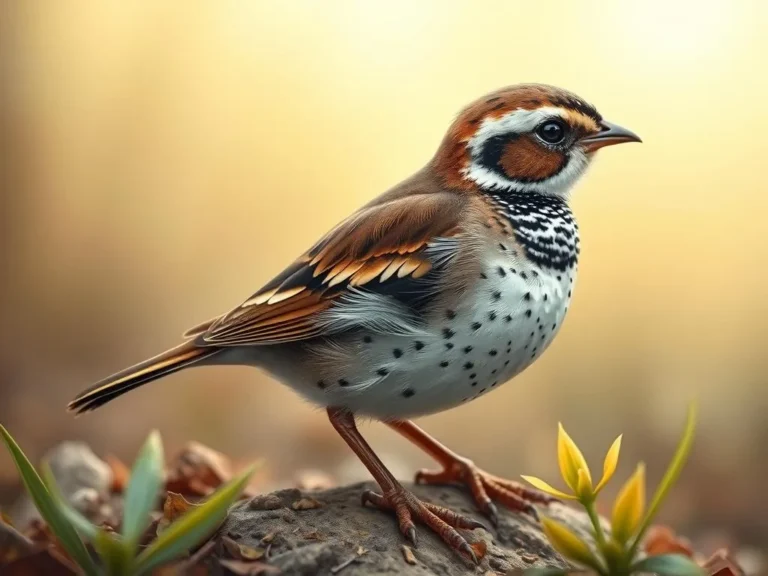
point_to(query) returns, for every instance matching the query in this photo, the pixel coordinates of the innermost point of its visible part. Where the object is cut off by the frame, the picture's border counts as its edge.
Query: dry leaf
(663, 540)
(722, 564)
(121, 474)
(242, 568)
(313, 480)
(409, 556)
(306, 504)
(13, 544)
(198, 470)
(268, 538)
(240, 551)
(479, 548)
(175, 505)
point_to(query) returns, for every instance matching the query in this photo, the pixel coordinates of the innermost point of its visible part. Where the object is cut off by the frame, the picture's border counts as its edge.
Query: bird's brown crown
(525, 136)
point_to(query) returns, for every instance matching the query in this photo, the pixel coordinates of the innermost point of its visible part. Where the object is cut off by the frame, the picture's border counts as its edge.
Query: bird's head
(526, 138)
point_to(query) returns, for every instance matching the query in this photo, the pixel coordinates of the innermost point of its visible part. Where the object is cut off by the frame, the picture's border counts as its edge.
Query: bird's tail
(161, 365)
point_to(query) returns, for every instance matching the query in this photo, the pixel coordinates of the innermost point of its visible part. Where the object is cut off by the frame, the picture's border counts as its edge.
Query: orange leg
(394, 497)
(485, 487)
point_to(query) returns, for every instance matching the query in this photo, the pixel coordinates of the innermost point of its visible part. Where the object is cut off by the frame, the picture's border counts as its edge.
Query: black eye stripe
(493, 149)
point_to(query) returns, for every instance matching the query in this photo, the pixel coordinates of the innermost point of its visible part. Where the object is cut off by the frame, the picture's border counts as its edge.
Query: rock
(83, 478)
(75, 467)
(344, 537)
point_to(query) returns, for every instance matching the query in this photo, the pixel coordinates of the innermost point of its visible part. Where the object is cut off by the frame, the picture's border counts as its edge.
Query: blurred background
(159, 161)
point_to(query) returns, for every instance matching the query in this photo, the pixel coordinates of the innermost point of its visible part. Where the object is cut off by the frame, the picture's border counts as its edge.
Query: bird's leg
(485, 487)
(394, 497)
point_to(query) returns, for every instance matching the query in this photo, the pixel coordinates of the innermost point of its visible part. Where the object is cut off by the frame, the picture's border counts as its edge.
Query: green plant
(616, 553)
(120, 554)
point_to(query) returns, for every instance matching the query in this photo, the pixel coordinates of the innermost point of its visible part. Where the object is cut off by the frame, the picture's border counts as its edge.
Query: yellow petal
(629, 506)
(539, 484)
(571, 459)
(568, 544)
(584, 487)
(609, 464)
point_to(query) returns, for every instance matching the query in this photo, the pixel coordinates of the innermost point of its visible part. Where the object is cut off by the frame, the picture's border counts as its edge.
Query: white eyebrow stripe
(518, 122)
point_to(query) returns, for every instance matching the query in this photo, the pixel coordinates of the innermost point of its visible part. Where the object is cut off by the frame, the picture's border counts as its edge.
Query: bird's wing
(394, 248)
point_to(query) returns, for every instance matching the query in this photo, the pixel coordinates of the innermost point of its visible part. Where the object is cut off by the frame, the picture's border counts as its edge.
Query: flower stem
(592, 513)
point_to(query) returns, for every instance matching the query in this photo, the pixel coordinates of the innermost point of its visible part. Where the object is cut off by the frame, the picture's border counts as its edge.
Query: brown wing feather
(383, 241)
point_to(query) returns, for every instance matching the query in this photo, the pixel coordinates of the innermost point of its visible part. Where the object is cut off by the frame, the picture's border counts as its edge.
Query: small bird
(433, 294)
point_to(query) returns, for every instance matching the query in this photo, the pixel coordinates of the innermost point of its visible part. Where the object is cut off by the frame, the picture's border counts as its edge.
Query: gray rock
(75, 466)
(83, 478)
(319, 540)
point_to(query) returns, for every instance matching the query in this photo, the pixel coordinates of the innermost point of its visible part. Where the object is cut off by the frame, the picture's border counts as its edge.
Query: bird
(433, 294)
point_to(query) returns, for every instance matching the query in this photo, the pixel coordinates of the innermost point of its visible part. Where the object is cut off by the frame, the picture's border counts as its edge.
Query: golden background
(160, 161)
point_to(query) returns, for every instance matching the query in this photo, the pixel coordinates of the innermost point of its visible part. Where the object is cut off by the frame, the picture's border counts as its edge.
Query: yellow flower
(575, 471)
(569, 544)
(629, 507)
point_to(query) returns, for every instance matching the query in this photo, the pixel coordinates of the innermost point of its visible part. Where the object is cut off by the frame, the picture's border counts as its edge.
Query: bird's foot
(442, 521)
(487, 488)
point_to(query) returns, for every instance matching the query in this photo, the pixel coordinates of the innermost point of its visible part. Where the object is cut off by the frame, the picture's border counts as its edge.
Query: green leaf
(670, 477)
(143, 489)
(47, 507)
(668, 565)
(116, 555)
(193, 527)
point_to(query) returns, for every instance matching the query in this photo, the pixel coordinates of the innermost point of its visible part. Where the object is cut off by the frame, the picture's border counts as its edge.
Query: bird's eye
(551, 131)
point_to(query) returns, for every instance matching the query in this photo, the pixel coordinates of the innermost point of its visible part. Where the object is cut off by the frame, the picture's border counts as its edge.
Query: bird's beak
(608, 135)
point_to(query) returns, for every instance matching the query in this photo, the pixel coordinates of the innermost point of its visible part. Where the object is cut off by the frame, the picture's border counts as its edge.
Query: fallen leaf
(361, 551)
(241, 551)
(198, 470)
(663, 540)
(479, 548)
(268, 538)
(722, 564)
(121, 474)
(409, 556)
(313, 480)
(175, 505)
(43, 561)
(241, 568)
(306, 504)
(13, 544)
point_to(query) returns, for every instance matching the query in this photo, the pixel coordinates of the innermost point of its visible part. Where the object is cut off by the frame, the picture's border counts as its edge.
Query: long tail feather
(118, 384)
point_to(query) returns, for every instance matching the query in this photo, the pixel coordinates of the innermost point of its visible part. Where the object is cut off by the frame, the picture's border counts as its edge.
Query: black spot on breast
(449, 345)
(508, 318)
(467, 349)
(468, 366)
(496, 295)
(502, 272)
(444, 363)
(382, 371)
(397, 352)
(528, 313)
(343, 382)
(472, 376)
(321, 384)
(450, 314)
(493, 352)
(448, 333)
(476, 325)
(527, 296)
(408, 392)
(492, 315)
(367, 339)
(418, 344)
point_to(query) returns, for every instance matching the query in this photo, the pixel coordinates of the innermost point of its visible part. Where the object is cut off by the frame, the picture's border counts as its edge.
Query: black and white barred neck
(543, 225)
